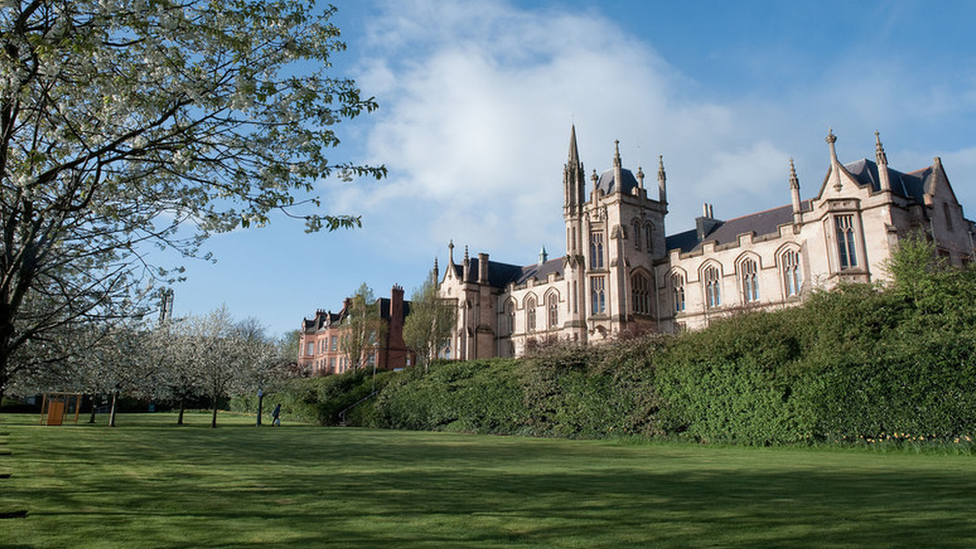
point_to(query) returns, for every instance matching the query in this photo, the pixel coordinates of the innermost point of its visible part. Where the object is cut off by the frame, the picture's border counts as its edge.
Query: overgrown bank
(859, 362)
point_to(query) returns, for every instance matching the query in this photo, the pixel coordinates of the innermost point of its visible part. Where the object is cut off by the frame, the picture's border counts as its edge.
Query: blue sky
(477, 99)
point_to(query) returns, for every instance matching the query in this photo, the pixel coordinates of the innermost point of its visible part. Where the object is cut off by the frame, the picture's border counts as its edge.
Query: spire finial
(794, 180)
(616, 152)
(661, 180)
(450, 253)
(879, 153)
(466, 252)
(831, 139)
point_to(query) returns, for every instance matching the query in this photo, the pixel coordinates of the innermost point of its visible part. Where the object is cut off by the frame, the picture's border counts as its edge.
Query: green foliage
(314, 400)
(431, 321)
(477, 396)
(734, 382)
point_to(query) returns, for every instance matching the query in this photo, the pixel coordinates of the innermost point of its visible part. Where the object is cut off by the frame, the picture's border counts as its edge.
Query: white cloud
(474, 125)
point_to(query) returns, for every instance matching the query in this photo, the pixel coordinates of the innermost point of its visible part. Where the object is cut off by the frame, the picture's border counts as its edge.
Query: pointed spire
(879, 154)
(436, 273)
(574, 178)
(450, 253)
(618, 177)
(543, 255)
(573, 149)
(795, 193)
(661, 180)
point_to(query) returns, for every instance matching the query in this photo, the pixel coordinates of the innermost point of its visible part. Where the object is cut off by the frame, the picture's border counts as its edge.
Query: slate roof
(906, 185)
(724, 232)
(864, 171)
(319, 320)
(607, 183)
(501, 274)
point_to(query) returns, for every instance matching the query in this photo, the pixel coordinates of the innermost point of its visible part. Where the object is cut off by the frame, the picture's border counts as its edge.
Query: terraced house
(623, 273)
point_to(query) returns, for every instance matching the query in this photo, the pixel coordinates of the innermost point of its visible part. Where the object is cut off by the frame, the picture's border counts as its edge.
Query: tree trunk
(111, 417)
(179, 420)
(94, 409)
(260, 404)
(213, 422)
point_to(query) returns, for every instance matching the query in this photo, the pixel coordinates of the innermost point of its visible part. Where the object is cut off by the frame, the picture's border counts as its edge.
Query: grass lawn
(150, 484)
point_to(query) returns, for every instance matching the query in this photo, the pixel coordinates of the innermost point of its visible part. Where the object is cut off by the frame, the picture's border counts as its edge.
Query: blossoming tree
(128, 124)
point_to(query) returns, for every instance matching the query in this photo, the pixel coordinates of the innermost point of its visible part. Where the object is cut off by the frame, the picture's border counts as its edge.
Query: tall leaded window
(678, 292)
(750, 280)
(553, 308)
(596, 250)
(510, 317)
(641, 290)
(530, 314)
(649, 237)
(791, 273)
(845, 241)
(713, 290)
(948, 215)
(598, 294)
(637, 235)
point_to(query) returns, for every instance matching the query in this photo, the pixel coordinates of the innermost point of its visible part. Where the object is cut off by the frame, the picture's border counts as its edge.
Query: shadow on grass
(314, 487)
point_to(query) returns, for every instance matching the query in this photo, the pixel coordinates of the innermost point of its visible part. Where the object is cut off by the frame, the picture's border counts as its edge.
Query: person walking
(276, 416)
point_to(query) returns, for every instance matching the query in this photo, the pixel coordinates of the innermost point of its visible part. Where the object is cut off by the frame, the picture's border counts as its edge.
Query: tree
(129, 124)
(171, 348)
(364, 328)
(430, 324)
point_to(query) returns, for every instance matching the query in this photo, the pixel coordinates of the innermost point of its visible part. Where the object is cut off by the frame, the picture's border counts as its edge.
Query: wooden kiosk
(56, 407)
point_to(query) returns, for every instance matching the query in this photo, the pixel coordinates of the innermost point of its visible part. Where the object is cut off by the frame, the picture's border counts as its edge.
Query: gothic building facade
(622, 273)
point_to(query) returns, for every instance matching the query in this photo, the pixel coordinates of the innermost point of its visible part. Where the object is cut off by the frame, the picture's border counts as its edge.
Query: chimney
(482, 268)
(396, 349)
(706, 223)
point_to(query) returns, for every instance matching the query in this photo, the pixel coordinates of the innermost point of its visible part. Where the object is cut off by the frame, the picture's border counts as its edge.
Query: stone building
(622, 273)
(321, 336)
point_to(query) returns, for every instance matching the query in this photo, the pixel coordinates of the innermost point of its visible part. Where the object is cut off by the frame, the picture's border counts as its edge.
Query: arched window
(510, 317)
(713, 290)
(649, 237)
(845, 241)
(637, 235)
(678, 292)
(598, 295)
(792, 277)
(641, 290)
(750, 280)
(530, 314)
(596, 250)
(553, 308)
